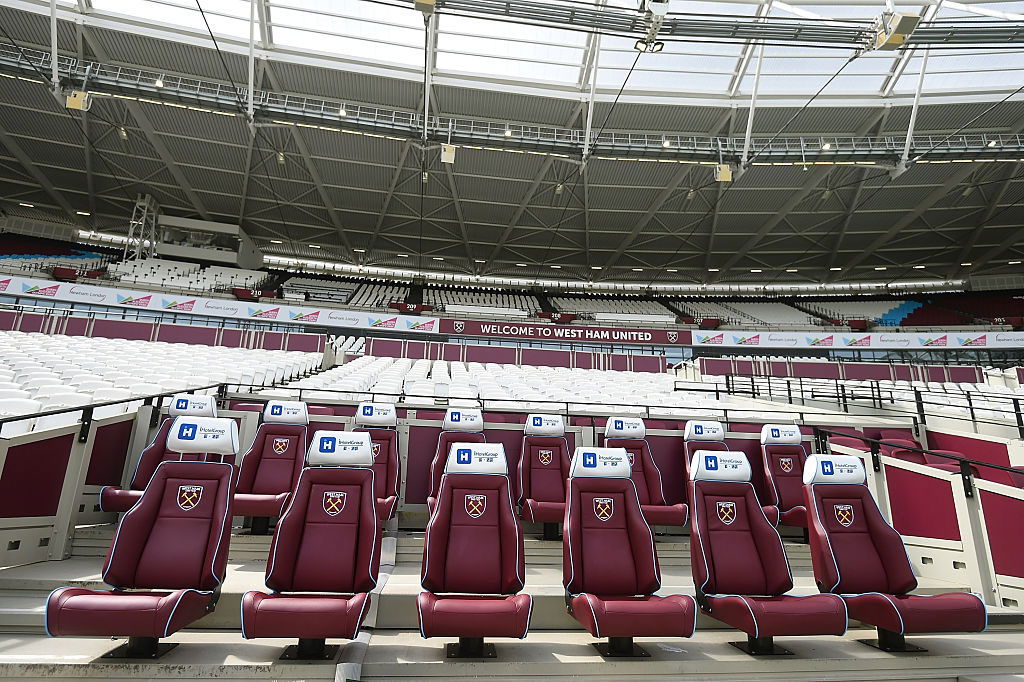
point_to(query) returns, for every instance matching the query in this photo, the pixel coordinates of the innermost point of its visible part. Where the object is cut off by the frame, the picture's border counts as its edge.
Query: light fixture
(712, 269)
(83, 213)
(122, 133)
(967, 191)
(991, 143)
(965, 265)
(276, 241)
(26, 204)
(437, 258)
(342, 111)
(558, 188)
(556, 267)
(691, 194)
(479, 261)
(825, 147)
(520, 265)
(835, 269)
(671, 270)
(359, 250)
(402, 255)
(159, 82)
(756, 270)
(919, 267)
(280, 158)
(1014, 262)
(792, 270)
(638, 269)
(595, 267)
(508, 132)
(425, 177)
(881, 267)
(314, 246)
(645, 46)
(665, 142)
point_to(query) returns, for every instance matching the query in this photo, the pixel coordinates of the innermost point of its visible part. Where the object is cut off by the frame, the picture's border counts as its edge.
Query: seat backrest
(783, 456)
(474, 543)
(629, 433)
(734, 549)
(380, 421)
(273, 462)
(607, 546)
(180, 405)
(701, 435)
(328, 539)
(461, 425)
(853, 548)
(177, 535)
(889, 445)
(850, 442)
(915, 457)
(544, 459)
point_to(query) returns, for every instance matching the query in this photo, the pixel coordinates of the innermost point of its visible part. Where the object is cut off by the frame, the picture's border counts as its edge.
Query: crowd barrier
(807, 369)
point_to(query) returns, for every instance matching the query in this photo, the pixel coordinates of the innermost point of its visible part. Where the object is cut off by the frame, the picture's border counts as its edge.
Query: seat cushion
(474, 616)
(665, 515)
(386, 507)
(910, 613)
(652, 616)
(247, 504)
(117, 499)
(797, 516)
(816, 614)
(74, 611)
(543, 512)
(306, 616)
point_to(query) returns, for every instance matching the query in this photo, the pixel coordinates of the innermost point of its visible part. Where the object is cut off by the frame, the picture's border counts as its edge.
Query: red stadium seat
(380, 420)
(473, 563)
(849, 442)
(858, 555)
(700, 435)
(114, 499)
(172, 546)
(629, 433)
(461, 425)
(543, 470)
(271, 467)
(609, 561)
(783, 456)
(325, 556)
(739, 563)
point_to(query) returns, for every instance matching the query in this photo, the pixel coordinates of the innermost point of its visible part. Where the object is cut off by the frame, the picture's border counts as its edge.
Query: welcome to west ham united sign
(559, 332)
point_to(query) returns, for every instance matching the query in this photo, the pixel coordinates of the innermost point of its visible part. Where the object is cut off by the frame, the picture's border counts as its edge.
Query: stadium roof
(338, 157)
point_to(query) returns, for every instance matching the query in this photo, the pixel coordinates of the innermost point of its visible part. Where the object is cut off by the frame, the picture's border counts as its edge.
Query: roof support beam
(37, 175)
(666, 193)
(527, 198)
(458, 211)
(972, 239)
(748, 52)
(392, 186)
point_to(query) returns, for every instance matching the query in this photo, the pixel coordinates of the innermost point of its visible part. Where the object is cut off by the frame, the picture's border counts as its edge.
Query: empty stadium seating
(701, 435)
(783, 456)
(481, 302)
(325, 556)
(739, 563)
(543, 471)
(609, 559)
(460, 426)
(300, 289)
(473, 557)
(377, 295)
(612, 309)
(858, 555)
(155, 272)
(33, 254)
(629, 433)
(380, 421)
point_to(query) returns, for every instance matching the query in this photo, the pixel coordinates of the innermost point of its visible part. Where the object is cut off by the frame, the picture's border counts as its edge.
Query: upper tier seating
(300, 289)
(377, 295)
(543, 470)
(774, 314)
(609, 560)
(629, 433)
(628, 309)
(481, 302)
(380, 420)
(783, 457)
(473, 555)
(705, 308)
(858, 555)
(172, 545)
(325, 555)
(888, 313)
(155, 272)
(18, 252)
(460, 426)
(739, 563)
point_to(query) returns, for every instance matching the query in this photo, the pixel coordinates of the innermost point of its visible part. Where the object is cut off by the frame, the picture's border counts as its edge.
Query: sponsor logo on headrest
(334, 502)
(187, 432)
(456, 416)
(281, 445)
(618, 425)
(726, 512)
(776, 433)
(189, 496)
(367, 410)
(590, 460)
(276, 410)
(538, 421)
(181, 404)
(545, 457)
(711, 462)
(826, 468)
(328, 443)
(604, 508)
(464, 456)
(698, 429)
(476, 505)
(844, 514)
(786, 464)
(192, 431)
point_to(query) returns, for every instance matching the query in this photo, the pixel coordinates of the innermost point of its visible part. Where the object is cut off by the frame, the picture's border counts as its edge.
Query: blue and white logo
(826, 468)
(276, 410)
(775, 433)
(328, 443)
(181, 404)
(698, 429)
(590, 460)
(537, 421)
(618, 424)
(367, 410)
(457, 417)
(187, 432)
(464, 456)
(711, 462)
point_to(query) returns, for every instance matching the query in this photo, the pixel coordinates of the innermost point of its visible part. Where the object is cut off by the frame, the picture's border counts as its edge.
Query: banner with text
(861, 341)
(561, 332)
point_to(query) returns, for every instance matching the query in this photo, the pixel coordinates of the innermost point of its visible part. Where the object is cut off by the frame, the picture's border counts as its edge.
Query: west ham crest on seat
(631, 458)
(334, 502)
(376, 450)
(545, 457)
(189, 496)
(280, 446)
(844, 514)
(726, 512)
(786, 464)
(604, 508)
(476, 505)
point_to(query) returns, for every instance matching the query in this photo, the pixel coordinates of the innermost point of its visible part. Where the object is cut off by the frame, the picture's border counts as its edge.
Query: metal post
(431, 40)
(590, 100)
(753, 102)
(920, 405)
(913, 112)
(1019, 416)
(55, 76)
(252, 62)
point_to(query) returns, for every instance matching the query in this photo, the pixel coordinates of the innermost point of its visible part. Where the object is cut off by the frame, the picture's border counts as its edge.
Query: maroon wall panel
(743, 367)
(30, 322)
(921, 505)
(123, 329)
(715, 366)
(973, 448)
(33, 477)
(1002, 521)
(648, 363)
(545, 358)
(902, 373)
(778, 368)
(7, 319)
(967, 373)
(109, 453)
(181, 333)
(866, 370)
(76, 326)
(388, 348)
(232, 338)
(816, 370)
(451, 352)
(273, 340)
(417, 350)
(933, 373)
(309, 343)
(617, 362)
(498, 354)
(583, 360)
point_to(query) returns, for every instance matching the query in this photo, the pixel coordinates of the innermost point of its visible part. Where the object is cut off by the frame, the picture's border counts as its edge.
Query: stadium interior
(450, 339)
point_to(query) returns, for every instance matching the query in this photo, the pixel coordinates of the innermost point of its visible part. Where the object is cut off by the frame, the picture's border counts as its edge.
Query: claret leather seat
(858, 555)
(739, 563)
(269, 470)
(168, 557)
(700, 435)
(543, 471)
(630, 433)
(325, 556)
(461, 425)
(609, 561)
(380, 420)
(473, 559)
(114, 499)
(783, 457)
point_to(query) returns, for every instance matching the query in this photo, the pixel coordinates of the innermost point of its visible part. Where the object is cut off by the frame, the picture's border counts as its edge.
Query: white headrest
(476, 458)
(218, 436)
(376, 414)
(701, 430)
(780, 434)
(834, 469)
(544, 425)
(463, 419)
(340, 448)
(715, 465)
(285, 412)
(600, 463)
(625, 427)
(193, 405)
